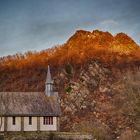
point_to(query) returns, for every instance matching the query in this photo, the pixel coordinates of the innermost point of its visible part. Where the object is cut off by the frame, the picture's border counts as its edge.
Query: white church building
(30, 111)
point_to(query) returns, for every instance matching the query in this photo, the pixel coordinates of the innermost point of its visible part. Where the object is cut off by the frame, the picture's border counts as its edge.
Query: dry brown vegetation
(22, 72)
(81, 47)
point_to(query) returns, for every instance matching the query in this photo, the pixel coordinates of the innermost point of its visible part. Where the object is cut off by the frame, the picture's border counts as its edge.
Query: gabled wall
(48, 127)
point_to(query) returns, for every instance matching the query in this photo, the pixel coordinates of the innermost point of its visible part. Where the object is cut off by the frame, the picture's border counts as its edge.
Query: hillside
(98, 78)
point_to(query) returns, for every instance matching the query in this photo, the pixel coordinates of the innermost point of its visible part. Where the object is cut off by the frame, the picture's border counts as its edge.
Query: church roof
(28, 104)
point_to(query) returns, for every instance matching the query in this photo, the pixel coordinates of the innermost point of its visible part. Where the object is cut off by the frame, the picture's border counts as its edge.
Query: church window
(48, 120)
(30, 120)
(14, 120)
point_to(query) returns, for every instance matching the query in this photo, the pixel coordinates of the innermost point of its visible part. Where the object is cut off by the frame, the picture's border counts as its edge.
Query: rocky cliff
(101, 101)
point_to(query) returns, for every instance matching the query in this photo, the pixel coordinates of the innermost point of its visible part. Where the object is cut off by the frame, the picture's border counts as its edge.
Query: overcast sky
(40, 24)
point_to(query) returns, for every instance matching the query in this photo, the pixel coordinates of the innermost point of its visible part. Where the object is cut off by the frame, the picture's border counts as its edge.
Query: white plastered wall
(1, 123)
(11, 127)
(48, 127)
(28, 127)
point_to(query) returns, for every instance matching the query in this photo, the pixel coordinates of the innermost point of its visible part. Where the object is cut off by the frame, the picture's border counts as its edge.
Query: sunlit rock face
(97, 39)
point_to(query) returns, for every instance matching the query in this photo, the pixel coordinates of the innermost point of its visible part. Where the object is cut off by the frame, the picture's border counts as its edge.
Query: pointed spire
(49, 78)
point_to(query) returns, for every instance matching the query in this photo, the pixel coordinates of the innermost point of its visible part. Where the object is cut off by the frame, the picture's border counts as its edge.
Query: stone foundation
(44, 136)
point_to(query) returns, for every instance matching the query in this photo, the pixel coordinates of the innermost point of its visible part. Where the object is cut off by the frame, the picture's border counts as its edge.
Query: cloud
(138, 36)
(108, 25)
(109, 22)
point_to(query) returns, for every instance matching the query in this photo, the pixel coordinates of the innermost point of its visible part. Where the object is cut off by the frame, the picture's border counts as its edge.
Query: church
(30, 111)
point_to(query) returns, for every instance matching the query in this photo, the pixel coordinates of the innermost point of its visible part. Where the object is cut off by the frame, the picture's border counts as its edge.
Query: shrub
(68, 89)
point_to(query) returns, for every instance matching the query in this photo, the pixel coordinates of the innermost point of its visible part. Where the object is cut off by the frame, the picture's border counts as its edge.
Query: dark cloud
(36, 25)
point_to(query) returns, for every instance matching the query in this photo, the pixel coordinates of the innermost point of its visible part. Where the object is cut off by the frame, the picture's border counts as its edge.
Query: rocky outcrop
(101, 101)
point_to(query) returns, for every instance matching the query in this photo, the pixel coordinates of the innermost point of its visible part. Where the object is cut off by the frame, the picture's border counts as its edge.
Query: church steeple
(49, 83)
